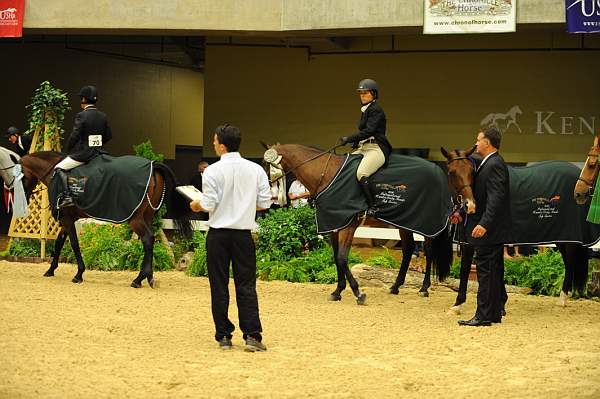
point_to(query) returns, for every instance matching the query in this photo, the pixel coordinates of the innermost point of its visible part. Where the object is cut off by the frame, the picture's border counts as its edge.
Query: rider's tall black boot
(66, 198)
(366, 189)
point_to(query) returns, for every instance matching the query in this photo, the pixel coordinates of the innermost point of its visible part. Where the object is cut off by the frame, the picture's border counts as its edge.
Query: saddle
(106, 188)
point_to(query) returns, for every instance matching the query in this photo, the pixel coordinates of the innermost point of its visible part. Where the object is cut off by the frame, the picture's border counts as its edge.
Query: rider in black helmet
(21, 143)
(90, 133)
(370, 140)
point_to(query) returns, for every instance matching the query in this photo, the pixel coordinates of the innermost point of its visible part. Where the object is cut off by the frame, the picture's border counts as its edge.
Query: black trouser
(225, 246)
(491, 294)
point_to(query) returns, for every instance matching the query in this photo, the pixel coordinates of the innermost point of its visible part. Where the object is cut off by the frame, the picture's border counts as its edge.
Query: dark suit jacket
(492, 198)
(88, 122)
(373, 123)
(26, 142)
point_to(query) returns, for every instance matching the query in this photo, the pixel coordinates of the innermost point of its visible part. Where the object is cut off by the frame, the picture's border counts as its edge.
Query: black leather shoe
(225, 343)
(475, 322)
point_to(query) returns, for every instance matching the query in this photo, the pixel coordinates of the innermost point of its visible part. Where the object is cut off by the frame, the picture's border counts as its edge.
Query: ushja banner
(469, 16)
(11, 18)
(583, 16)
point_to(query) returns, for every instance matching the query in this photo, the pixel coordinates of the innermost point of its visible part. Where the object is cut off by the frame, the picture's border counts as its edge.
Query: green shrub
(383, 260)
(287, 233)
(199, 266)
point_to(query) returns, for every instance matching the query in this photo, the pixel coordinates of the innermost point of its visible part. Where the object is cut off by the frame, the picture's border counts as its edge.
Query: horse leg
(345, 243)
(408, 246)
(567, 285)
(465, 268)
(75, 245)
(336, 295)
(58, 245)
(427, 278)
(144, 231)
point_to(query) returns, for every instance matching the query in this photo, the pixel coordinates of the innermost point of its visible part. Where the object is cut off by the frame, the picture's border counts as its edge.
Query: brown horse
(315, 169)
(460, 179)
(40, 166)
(584, 189)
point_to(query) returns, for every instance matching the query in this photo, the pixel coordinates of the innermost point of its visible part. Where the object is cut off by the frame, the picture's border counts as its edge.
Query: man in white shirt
(298, 194)
(233, 190)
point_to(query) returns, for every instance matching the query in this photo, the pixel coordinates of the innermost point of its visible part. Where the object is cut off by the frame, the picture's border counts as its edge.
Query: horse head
(8, 159)
(584, 189)
(461, 169)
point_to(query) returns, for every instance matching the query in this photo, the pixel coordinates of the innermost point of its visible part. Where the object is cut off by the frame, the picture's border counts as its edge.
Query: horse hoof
(394, 291)
(424, 294)
(454, 310)
(136, 285)
(49, 274)
(335, 297)
(361, 298)
(77, 280)
(154, 283)
(562, 299)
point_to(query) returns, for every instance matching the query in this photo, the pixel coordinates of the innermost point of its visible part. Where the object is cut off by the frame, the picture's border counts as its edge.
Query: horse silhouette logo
(508, 119)
(9, 13)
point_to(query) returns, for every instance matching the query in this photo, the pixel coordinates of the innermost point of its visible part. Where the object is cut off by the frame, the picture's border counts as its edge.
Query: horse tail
(176, 203)
(580, 272)
(441, 248)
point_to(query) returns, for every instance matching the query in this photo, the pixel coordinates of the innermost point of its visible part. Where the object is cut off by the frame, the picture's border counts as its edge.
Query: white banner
(469, 16)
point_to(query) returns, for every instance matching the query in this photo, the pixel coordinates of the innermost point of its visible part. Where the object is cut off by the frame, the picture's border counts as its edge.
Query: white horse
(509, 117)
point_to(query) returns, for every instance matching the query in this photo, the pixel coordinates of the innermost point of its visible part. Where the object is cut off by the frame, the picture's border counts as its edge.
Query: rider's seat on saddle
(106, 188)
(410, 193)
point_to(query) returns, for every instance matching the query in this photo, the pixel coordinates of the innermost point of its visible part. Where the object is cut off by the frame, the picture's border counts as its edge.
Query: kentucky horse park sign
(11, 18)
(546, 122)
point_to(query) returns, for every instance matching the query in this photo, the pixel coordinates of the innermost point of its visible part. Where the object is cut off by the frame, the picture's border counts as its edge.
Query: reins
(329, 151)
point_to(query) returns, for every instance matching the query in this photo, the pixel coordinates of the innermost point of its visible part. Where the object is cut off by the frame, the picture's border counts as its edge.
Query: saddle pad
(543, 209)
(106, 188)
(411, 193)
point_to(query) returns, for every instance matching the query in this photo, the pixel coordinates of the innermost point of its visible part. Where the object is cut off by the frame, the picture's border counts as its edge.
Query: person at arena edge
(21, 143)
(488, 229)
(298, 194)
(233, 190)
(370, 140)
(90, 133)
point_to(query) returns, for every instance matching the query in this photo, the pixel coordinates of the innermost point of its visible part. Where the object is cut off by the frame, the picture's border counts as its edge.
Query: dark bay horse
(39, 166)
(315, 169)
(461, 171)
(584, 189)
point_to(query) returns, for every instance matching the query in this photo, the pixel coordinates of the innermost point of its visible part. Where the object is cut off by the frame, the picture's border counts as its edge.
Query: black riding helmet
(89, 93)
(369, 84)
(12, 131)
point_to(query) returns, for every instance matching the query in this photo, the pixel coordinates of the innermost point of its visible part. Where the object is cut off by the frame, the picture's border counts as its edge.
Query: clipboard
(190, 192)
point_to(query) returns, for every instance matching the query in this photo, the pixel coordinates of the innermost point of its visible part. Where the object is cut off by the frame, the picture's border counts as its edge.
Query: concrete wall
(250, 15)
(143, 101)
(431, 99)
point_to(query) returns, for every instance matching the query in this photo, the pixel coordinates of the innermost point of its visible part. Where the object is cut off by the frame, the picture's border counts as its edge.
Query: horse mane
(48, 156)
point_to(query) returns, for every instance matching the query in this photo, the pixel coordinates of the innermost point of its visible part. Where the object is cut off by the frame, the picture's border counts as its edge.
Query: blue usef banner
(583, 16)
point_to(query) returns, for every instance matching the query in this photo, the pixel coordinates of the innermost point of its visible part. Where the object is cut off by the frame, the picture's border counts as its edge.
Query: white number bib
(95, 140)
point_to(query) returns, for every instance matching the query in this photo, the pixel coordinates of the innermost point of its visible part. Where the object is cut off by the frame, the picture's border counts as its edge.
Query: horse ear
(596, 140)
(265, 145)
(468, 153)
(444, 152)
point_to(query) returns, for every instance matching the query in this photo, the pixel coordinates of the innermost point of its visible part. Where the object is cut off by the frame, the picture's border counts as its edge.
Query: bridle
(274, 159)
(590, 184)
(458, 201)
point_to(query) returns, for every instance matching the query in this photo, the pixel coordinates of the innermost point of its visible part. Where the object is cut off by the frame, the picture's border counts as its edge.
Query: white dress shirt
(298, 188)
(232, 189)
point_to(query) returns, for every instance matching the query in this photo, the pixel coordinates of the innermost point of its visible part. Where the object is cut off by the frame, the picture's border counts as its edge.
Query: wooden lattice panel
(32, 226)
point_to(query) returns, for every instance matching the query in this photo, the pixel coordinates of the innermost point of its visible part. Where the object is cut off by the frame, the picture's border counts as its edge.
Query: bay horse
(584, 189)
(39, 166)
(315, 169)
(461, 169)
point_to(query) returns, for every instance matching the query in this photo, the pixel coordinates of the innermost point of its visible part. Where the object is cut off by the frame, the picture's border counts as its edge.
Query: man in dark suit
(90, 133)
(21, 143)
(489, 228)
